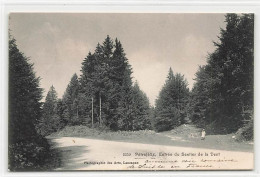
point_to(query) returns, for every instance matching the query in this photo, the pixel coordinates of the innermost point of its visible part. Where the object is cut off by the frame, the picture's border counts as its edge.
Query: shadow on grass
(64, 158)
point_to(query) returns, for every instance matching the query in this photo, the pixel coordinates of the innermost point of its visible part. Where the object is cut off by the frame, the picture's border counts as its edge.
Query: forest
(105, 97)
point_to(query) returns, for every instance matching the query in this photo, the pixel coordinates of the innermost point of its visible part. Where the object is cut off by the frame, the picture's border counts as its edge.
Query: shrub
(246, 133)
(28, 156)
(163, 124)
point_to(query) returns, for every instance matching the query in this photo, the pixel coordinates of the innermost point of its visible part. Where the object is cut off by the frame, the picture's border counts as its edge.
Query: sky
(57, 43)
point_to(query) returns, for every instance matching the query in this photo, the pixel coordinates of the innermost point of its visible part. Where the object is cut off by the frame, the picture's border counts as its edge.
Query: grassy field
(183, 136)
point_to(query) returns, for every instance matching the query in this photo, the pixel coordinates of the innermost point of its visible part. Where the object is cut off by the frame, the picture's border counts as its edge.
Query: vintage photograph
(131, 91)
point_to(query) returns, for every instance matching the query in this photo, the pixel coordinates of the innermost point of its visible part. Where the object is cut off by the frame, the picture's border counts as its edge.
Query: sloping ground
(89, 154)
(189, 135)
(184, 136)
(142, 136)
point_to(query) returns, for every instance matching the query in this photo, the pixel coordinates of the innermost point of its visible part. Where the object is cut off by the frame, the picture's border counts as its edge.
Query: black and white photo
(131, 91)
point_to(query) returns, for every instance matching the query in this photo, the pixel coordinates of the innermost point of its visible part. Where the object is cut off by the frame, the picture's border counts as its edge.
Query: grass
(141, 136)
(184, 136)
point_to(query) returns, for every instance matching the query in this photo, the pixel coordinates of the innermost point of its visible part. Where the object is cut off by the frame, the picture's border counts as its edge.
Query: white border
(127, 6)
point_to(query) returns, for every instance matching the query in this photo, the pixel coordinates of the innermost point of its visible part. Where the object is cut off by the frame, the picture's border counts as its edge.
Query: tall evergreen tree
(120, 93)
(87, 90)
(172, 101)
(104, 74)
(95, 83)
(140, 109)
(70, 99)
(102, 83)
(201, 96)
(50, 104)
(50, 121)
(106, 79)
(26, 148)
(227, 78)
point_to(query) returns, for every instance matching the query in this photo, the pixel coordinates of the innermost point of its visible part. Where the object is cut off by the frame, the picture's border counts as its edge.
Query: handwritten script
(169, 161)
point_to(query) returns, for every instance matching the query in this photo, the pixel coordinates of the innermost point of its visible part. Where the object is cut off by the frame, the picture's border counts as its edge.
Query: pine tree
(70, 99)
(87, 89)
(106, 79)
(140, 109)
(227, 79)
(120, 94)
(107, 48)
(26, 149)
(172, 101)
(50, 121)
(102, 83)
(50, 102)
(95, 84)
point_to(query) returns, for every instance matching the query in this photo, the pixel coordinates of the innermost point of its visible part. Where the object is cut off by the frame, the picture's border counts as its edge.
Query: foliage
(171, 106)
(137, 117)
(223, 91)
(106, 79)
(28, 155)
(102, 96)
(50, 121)
(246, 132)
(26, 149)
(71, 102)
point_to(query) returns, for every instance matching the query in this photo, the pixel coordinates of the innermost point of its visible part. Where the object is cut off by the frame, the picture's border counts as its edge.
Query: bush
(163, 124)
(215, 128)
(167, 119)
(28, 156)
(246, 133)
(218, 126)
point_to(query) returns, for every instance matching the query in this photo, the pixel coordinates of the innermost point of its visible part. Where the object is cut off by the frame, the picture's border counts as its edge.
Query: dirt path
(89, 154)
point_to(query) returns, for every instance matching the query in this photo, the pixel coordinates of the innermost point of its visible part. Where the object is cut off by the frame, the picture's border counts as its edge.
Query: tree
(120, 97)
(70, 100)
(200, 97)
(94, 84)
(50, 103)
(172, 102)
(140, 109)
(87, 90)
(106, 79)
(102, 83)
(50, 121)
(26, 148)
(223, 93)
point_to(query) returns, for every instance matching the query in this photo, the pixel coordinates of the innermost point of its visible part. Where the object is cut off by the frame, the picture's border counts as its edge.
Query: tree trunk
(92, 118)
(100, 110)
(77, 112)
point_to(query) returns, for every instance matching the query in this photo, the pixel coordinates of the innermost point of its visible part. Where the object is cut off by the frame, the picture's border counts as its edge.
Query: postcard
(131, 91)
